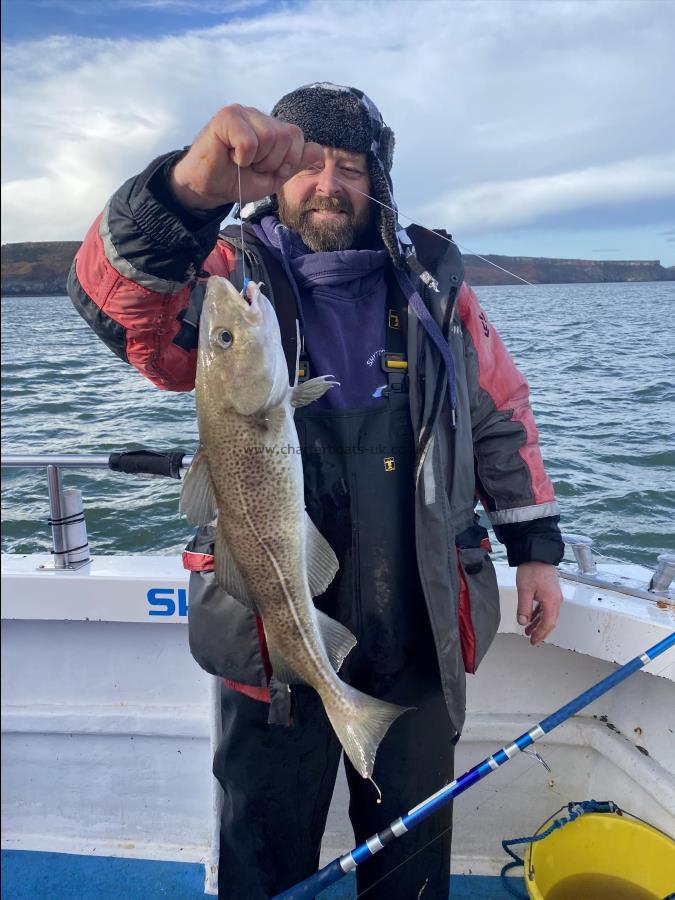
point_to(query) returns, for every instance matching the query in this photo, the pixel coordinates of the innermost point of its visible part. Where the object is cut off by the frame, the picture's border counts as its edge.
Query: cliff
(540, 270)
(41, 269)
(36, 269)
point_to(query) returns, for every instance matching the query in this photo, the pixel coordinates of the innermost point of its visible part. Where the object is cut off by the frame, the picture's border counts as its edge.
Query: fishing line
(244, 279)
(341, 866)
(379, 792)
(431, 231)
(403, 862)
(488, 793)
(441, 833)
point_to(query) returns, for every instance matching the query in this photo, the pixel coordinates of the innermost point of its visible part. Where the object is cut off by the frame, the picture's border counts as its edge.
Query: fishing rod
(342, 865)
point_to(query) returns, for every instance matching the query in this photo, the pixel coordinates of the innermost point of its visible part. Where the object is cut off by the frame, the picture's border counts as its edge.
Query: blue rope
(574, 810)
(431, 327)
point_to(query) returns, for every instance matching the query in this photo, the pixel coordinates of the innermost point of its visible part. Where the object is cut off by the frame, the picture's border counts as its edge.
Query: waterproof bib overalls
(278, 781)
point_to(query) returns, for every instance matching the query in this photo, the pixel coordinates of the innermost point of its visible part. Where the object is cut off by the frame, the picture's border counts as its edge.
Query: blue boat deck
(33, 875)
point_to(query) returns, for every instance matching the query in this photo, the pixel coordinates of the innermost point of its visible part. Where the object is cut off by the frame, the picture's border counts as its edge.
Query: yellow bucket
(601, 856)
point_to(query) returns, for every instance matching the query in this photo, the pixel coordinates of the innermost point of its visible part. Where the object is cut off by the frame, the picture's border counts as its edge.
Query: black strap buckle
(303, 370)
(396, 367)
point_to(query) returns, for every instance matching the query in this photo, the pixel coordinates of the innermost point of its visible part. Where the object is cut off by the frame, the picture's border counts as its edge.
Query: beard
(344, 232)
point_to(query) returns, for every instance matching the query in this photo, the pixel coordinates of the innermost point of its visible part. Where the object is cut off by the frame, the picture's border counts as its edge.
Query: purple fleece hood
(342, 299)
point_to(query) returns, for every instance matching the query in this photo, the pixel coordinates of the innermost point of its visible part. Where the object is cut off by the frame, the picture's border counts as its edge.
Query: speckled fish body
(248, 472)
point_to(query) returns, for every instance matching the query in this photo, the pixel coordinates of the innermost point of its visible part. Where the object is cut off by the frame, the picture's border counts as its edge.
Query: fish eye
(225, 338)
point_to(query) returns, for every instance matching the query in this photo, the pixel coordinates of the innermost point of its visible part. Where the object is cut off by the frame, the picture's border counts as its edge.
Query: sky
(523, 127)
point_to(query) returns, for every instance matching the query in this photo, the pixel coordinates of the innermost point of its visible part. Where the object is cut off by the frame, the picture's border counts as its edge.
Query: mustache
(334, 204)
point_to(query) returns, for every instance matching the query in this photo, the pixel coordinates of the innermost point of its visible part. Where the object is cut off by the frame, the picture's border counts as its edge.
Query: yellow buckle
(394, 362)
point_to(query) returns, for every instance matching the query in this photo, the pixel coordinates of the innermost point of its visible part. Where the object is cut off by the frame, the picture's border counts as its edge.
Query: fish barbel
(248, 471)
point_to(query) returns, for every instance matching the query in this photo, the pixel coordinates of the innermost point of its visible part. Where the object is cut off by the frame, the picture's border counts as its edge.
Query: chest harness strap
(394, 360)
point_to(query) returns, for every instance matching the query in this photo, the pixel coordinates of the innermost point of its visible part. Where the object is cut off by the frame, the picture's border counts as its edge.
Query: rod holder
(56, 517)
(77, 542)
(664, 574)
(582, 547)
(66, 518)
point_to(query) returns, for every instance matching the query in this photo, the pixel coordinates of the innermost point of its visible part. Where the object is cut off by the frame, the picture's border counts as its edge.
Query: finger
(546, 622)
(300, 157)
(292, 161)
(534, 619)
(254, 186)
(239, 136)
(278, 148)
(267, 131)
(312, 154)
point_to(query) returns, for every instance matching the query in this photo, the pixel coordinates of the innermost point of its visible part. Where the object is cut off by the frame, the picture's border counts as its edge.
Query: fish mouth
(250, 299)
(250, 293)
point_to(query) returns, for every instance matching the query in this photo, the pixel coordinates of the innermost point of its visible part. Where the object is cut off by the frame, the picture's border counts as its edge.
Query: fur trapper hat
(344, 117)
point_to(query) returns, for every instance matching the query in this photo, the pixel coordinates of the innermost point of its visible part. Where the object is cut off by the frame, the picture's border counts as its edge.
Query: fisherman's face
(326, 205)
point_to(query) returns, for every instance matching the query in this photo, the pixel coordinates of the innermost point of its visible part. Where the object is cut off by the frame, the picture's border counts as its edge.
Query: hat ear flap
(386, 148)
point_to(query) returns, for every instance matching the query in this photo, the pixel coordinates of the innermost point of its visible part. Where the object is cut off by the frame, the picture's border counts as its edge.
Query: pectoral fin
(228, 575)
(322, 563)
(197, 498)
(312, 390)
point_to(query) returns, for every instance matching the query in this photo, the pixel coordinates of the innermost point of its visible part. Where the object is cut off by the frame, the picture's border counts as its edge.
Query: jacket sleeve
(510, 478)
(132, 277)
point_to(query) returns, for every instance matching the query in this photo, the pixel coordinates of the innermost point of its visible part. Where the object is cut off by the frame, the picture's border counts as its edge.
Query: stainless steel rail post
(664, 574)
(583, 553)
(55, 463)
(56, 517)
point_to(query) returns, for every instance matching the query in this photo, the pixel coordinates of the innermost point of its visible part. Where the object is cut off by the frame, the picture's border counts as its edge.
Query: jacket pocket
(226, 638)
(479, 613)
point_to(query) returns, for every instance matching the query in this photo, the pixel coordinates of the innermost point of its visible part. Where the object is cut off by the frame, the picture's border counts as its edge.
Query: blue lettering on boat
(164, 599)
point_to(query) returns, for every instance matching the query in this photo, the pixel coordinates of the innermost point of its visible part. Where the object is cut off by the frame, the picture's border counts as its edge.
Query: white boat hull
(108, 725)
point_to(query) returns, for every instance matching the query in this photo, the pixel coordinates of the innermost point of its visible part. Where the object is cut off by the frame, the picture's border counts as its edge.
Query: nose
(327, 183)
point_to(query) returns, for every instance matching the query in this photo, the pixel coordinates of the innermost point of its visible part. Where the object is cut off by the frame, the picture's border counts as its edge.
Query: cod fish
(248, 471)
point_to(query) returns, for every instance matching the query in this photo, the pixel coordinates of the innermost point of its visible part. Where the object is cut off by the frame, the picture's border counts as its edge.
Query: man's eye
(351, 172)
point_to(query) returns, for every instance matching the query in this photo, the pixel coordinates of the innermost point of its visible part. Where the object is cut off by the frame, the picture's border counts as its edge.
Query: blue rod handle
(315, 883)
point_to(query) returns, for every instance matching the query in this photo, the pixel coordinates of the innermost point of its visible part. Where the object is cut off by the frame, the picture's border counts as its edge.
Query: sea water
(600, 360)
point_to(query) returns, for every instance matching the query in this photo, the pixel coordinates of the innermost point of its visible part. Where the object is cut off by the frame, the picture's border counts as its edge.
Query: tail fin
(360, 726)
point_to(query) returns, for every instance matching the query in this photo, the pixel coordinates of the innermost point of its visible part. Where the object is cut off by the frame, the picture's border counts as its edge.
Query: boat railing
(67, 512)
(586, 572)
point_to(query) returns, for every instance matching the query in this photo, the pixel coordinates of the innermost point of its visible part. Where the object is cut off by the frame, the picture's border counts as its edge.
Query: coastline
(40, 269)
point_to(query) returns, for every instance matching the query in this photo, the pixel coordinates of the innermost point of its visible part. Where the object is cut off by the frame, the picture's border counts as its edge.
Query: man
(430, 415)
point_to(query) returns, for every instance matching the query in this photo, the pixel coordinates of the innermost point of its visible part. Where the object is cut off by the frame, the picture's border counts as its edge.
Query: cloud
(525, 200)
(192, 7)
(503, 111)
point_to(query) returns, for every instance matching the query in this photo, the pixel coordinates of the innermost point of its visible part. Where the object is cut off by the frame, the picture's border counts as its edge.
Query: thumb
(311, 155)
(525, 601)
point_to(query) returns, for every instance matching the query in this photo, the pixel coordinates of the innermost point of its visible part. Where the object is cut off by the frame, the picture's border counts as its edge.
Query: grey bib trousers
(278, 781)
